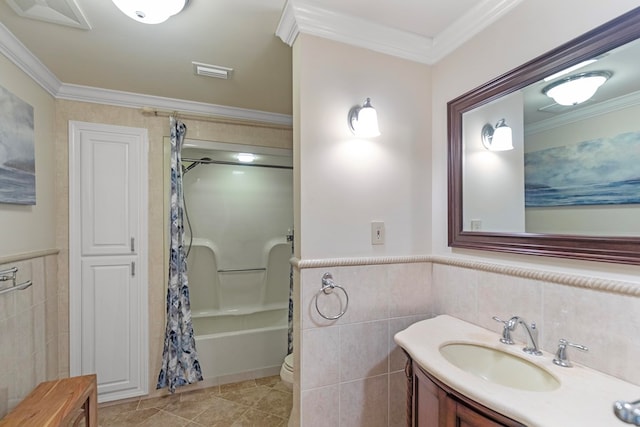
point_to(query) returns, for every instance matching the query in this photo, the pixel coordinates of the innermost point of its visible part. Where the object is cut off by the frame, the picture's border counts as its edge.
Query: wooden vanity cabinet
(432, 403)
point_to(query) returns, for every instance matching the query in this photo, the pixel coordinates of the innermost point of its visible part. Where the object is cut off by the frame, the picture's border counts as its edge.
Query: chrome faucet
(561, 358)
(532, 338)
(508, 327)
(532, 334)
(629, 412)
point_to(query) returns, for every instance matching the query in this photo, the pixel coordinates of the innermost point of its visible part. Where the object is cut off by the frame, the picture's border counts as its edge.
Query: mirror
(514, 201)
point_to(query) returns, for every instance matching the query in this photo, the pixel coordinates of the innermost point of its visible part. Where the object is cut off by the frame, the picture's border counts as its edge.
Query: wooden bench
(57, 403)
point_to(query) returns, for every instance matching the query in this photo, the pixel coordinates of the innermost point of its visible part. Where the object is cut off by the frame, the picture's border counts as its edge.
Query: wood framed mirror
(588, 243)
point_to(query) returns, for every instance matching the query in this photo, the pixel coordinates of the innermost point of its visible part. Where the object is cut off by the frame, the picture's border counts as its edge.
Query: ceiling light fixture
(577, 88)
(363, 120)
(150, 11)
(569, 70)
(246, 157)
(497, 139)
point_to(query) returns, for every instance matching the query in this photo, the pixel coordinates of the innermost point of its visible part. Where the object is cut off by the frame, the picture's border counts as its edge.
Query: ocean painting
(596, 172)
(17, 153)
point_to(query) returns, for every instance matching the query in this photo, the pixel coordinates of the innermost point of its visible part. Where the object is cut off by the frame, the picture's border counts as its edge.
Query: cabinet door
(429, 407)
(437, 405)
(109, 188)
(112, 343)
(467, 417)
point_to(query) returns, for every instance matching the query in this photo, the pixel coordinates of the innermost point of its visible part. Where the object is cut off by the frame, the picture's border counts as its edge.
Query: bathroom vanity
(460, 374)
(432, 403)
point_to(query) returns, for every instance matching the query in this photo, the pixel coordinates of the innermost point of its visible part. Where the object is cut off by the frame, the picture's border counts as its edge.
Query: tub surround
(584, 397)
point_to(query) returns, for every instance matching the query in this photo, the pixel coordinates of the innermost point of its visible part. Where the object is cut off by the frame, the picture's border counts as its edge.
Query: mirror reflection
(573, 168)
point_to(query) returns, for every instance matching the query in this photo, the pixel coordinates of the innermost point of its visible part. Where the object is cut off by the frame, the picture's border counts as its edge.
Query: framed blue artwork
(17, 151)
(597, 172)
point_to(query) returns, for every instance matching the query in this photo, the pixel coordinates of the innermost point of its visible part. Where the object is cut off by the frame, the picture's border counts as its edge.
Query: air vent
(208, 70)
(63, 12)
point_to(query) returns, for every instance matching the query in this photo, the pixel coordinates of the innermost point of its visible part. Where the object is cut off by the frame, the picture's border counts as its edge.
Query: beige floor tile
(221, 413)
(199, 395)
(268, 381)
(159, 402)
(264, 402)
(248, 396)
(164, 419)
(276, 402)
(188, 410)
(130, 418)
(224, 388)
(255, 418)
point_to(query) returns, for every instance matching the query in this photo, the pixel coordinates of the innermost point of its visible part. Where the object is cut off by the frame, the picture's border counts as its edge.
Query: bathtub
(239, 317)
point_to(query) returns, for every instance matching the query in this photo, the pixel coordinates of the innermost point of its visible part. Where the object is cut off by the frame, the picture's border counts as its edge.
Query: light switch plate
(377, 233)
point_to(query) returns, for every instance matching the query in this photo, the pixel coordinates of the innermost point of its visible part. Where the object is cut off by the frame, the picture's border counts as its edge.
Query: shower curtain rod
(150, 111)
(222, 162)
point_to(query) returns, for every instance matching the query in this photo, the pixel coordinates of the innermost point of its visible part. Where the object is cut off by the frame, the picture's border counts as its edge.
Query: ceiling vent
(63, 12)
(208, 70)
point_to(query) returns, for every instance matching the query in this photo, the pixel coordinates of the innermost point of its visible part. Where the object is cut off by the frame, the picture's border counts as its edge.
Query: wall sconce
(150, 11)
(577, 88)
(363, 121)
(498, 138)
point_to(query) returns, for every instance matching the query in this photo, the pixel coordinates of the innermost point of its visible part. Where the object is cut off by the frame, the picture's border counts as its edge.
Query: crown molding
(468, 25)
(136, 100)
(22, 57)
(299, 16)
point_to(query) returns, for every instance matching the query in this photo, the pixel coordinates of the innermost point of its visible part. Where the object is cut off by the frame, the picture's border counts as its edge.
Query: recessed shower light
(246, 157)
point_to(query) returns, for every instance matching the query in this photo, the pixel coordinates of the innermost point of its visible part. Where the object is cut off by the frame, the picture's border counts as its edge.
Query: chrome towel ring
(328, 285)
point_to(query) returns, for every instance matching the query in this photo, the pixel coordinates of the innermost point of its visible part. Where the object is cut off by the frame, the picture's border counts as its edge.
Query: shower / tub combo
(239, 224)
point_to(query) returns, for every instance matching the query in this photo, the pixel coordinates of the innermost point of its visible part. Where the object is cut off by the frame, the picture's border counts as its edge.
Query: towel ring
(328, 285)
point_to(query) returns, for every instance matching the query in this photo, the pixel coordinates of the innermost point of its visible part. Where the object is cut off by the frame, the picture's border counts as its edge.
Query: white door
(107, 257)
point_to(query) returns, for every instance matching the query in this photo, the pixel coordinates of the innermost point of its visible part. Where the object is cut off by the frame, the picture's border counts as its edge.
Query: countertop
(585, 396)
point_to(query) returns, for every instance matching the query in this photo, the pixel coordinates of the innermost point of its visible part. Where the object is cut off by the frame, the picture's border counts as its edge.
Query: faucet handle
(561, 358)
(509, 326)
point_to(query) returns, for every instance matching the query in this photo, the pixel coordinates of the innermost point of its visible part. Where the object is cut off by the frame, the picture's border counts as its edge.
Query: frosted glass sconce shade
(363, 120)
(150, 11)
(577, 88)
(499, 138)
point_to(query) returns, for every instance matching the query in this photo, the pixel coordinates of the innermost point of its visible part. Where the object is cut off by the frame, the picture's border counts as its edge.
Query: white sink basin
(499, 367)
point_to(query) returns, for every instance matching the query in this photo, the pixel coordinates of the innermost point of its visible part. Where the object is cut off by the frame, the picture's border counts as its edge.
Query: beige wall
(158, 128)
(349, 371)
(347, 182)
(31, 227)
(29, 318)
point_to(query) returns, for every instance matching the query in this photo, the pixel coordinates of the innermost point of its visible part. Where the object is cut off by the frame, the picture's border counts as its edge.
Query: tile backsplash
(607, 322)
(352, 371)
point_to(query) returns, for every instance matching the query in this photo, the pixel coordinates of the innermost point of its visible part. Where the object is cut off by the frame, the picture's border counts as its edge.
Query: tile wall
(351, 370)
(28, 330)
(607, 322)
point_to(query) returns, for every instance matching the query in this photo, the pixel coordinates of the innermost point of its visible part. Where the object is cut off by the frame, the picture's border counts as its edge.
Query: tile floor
(264, 402)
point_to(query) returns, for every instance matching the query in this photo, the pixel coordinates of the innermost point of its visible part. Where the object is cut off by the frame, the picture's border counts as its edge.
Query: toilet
(286, 372)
